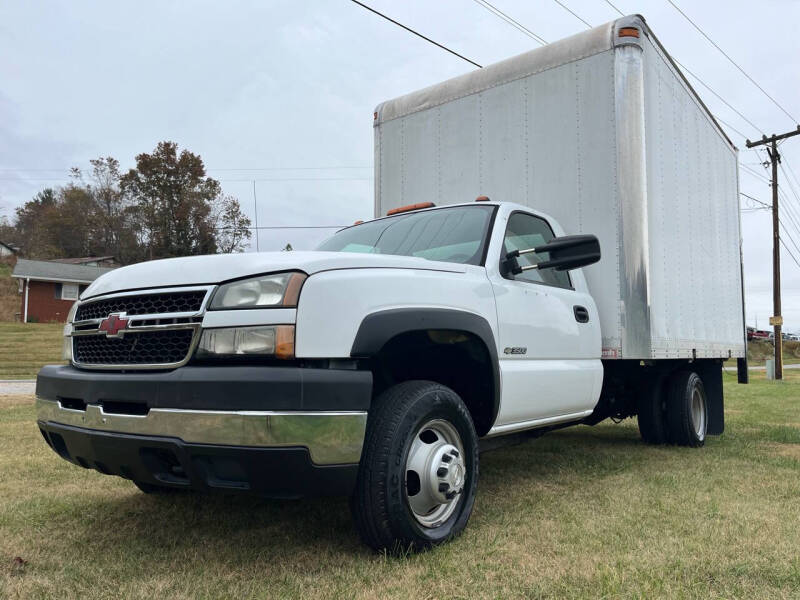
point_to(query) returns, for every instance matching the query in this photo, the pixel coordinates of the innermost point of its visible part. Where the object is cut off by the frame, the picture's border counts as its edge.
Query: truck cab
(371, 367)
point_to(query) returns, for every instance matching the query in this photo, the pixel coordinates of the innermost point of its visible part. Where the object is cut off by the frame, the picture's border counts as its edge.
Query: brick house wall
(43, 305)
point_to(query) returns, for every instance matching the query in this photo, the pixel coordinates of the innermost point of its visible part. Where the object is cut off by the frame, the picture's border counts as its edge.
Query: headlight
(281, 289)
(66, 350)
(271, 340)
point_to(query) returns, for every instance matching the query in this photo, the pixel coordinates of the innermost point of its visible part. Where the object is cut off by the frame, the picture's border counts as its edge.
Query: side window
(526, 231)
(69, 291)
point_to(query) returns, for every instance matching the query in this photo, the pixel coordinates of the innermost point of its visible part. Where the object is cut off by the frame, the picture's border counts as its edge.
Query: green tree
(35, 224)
(180, 211)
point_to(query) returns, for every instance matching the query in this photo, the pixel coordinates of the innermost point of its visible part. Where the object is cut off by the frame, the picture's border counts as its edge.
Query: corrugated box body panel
(693, 210)
(550, 129)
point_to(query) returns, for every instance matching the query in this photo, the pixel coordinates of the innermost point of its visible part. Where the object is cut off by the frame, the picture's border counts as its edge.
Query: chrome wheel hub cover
(699, 414)
(435, 473)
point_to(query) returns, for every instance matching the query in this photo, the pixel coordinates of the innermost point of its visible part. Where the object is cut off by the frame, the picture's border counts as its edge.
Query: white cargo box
(603, 133)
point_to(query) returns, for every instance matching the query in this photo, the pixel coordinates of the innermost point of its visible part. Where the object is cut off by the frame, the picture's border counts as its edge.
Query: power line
(331, 168)
(733, 62)
(418, 34)
(573, 13)
(249, 179)
(789, 210)
(790, 252)
(790, 184)
(300, 179)
(785, 229)
(789, 181)
(764, 204)
(719, 97)
(621, 14)
(681, 65)
(754, 173)
(788, 166)
(732, 128)
(285, 227)
(791, 240)
(511, 21)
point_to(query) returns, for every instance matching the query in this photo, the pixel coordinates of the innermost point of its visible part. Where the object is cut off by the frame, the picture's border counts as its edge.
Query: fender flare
(377, 328)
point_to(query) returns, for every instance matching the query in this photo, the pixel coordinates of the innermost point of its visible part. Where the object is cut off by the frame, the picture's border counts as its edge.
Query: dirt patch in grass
(786, 450)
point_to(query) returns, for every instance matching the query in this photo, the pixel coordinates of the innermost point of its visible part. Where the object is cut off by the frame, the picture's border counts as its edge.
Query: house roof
(13, 249)
(48, 270)
(84, 260)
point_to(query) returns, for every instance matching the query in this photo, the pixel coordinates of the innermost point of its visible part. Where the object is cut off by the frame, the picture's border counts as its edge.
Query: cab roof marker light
(409, 208)
(482, 199)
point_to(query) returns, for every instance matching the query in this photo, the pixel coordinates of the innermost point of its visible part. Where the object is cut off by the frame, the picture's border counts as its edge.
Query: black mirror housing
(566, 253)
(570, 252)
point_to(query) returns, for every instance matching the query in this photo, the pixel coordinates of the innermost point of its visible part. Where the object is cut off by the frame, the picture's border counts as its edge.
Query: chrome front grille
(161, 329)
(143, 304)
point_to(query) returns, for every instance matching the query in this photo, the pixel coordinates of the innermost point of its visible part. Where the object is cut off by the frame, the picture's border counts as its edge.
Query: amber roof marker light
(482, 199)
(628, 32)
(409, 208)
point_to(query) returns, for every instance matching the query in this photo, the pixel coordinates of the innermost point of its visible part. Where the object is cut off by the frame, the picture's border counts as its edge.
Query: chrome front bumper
(331, 437)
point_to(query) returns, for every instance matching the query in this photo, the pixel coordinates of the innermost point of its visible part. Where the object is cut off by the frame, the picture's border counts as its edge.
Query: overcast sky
(285, 90)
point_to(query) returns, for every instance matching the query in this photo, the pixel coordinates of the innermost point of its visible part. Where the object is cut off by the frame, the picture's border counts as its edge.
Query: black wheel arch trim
(378, 328)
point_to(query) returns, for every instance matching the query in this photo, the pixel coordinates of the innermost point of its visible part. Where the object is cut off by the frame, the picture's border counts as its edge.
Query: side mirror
(566, 253)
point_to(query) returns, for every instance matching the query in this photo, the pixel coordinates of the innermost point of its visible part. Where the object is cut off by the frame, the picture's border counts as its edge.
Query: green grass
(580, 513)
(25, 347)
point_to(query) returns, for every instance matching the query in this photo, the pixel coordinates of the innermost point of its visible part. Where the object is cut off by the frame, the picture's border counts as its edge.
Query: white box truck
(601, 280)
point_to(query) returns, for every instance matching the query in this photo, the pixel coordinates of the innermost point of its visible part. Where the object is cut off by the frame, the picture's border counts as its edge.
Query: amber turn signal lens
(284, 341)
(293, 287)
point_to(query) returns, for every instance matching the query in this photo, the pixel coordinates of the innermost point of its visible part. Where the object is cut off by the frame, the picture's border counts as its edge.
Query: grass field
(25, 347)
(580, 513)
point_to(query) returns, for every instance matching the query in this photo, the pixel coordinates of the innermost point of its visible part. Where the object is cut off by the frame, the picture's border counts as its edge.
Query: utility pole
(776, 320)
(255, 213)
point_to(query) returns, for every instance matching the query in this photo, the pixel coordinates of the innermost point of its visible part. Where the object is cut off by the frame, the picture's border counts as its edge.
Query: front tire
(687, 409)
(419, 468)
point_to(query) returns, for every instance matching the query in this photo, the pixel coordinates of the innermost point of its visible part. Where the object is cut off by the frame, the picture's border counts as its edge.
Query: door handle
(581, 314)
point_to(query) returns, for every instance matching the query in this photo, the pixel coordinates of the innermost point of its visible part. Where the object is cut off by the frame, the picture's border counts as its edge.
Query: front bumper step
(274, 472)
(330, 437)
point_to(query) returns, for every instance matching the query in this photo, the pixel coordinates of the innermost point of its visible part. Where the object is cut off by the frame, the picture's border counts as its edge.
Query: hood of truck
(216, 268)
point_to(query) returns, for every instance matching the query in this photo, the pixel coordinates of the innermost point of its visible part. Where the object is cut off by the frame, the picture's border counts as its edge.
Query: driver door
(549, 335)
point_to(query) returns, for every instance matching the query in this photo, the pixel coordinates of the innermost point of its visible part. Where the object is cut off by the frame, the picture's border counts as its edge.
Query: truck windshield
(455, 234)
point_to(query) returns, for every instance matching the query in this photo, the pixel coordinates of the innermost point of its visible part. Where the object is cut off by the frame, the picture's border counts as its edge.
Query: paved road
(756, 368)
(17, 386)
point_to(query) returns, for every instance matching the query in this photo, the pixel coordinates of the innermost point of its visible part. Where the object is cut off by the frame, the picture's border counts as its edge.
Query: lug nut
(441, 471)
(451, 495)
(443, 487)
(447, 458)
(454, 452)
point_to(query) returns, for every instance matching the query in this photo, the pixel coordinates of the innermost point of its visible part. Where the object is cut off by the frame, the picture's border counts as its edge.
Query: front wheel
(419, 468)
